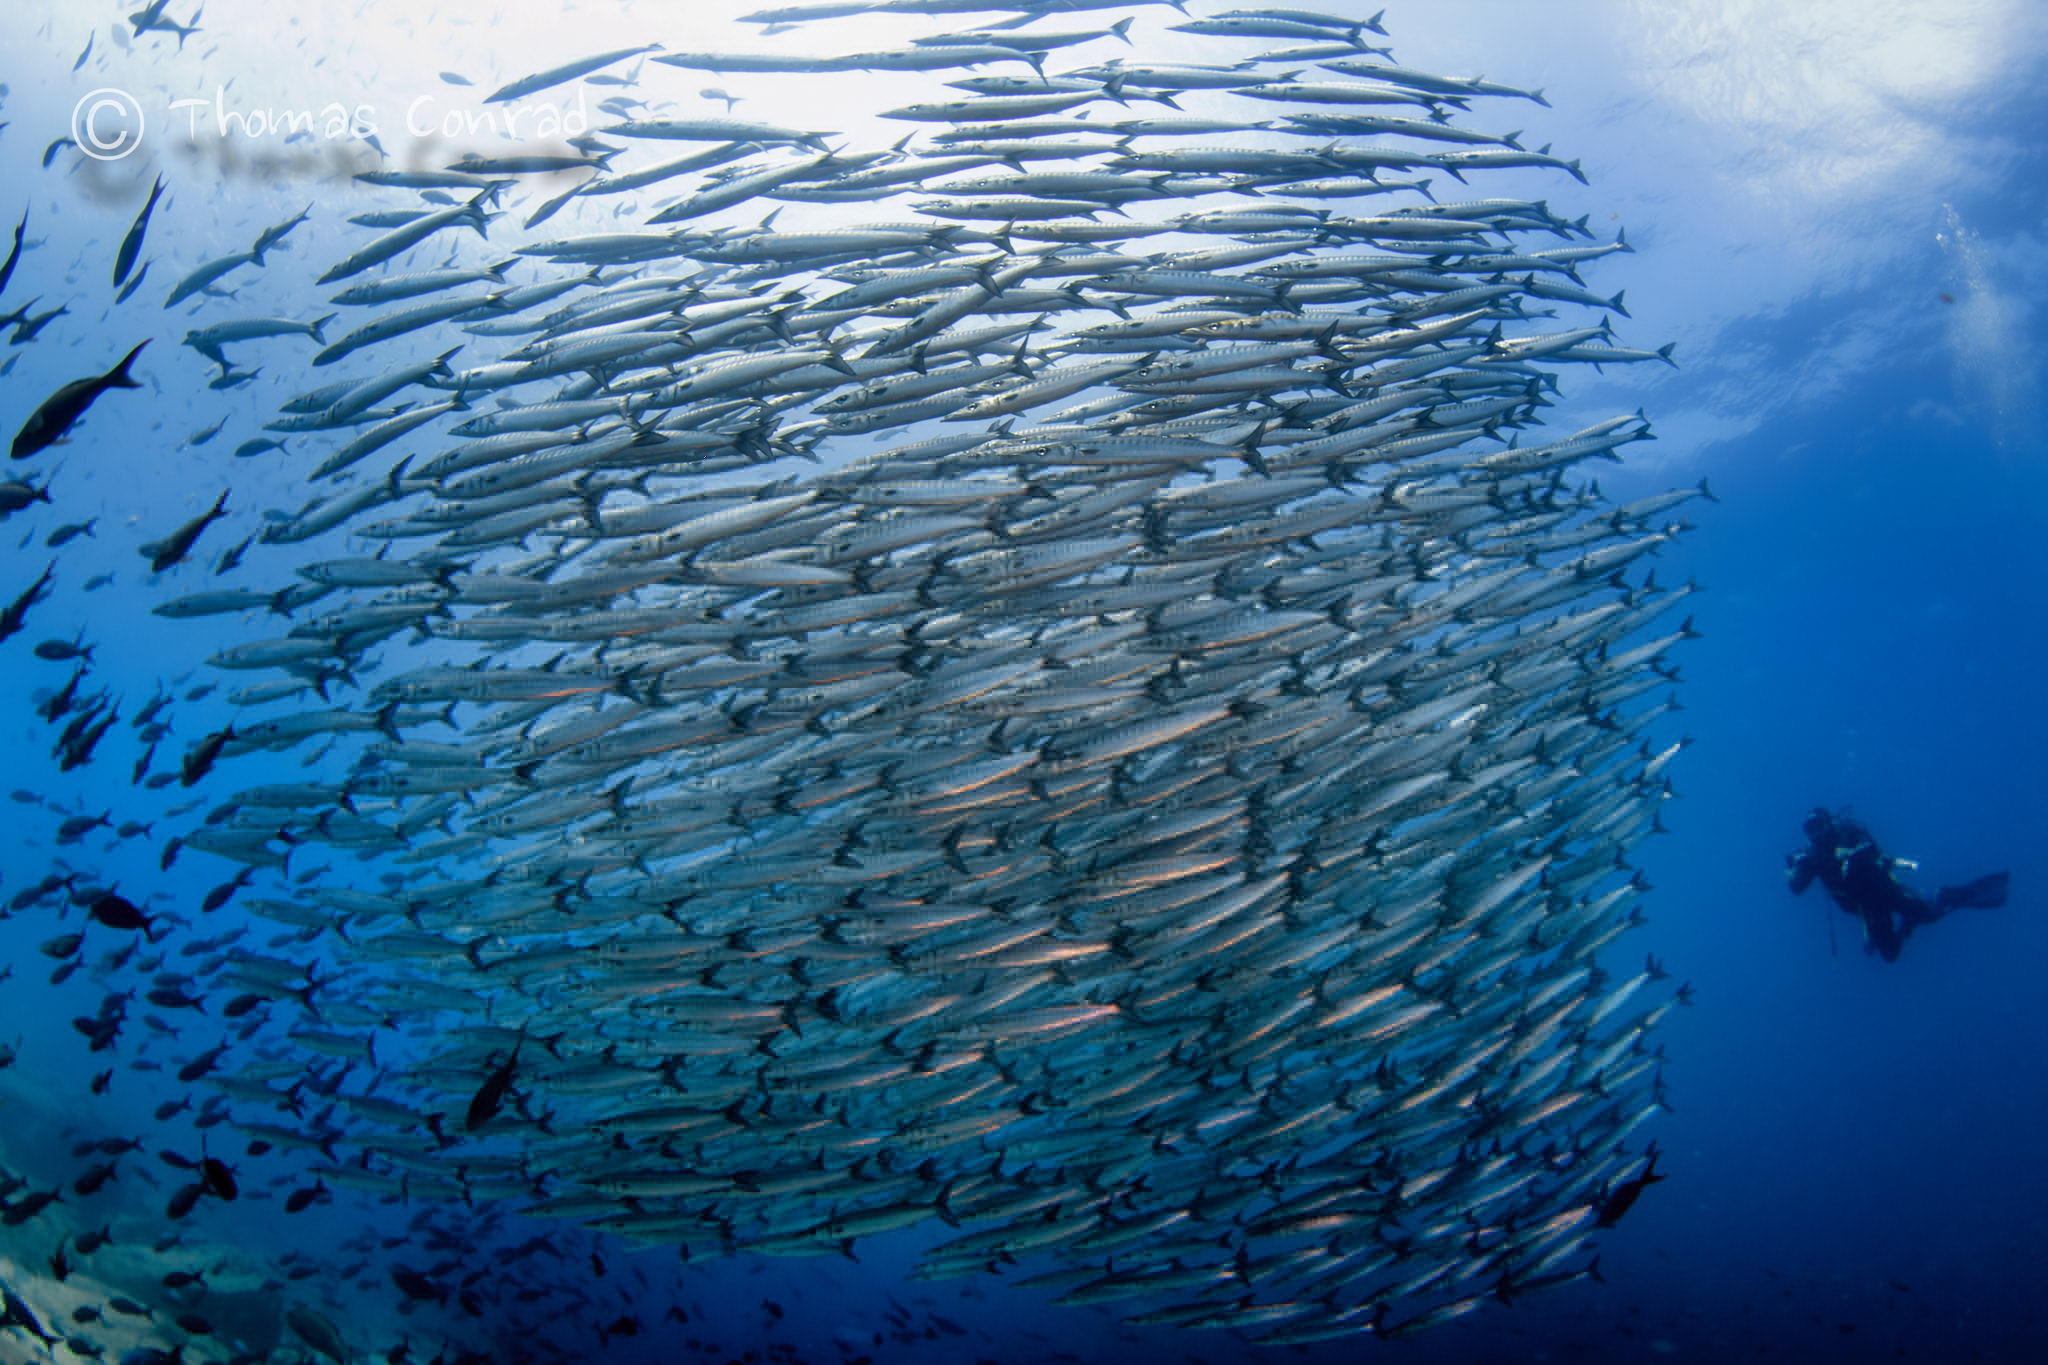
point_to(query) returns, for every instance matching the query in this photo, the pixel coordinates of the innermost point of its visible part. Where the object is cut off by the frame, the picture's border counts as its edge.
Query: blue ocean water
(1838, 217)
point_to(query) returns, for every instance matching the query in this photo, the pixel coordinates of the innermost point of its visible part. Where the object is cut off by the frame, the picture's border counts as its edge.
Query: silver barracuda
(1036, 675)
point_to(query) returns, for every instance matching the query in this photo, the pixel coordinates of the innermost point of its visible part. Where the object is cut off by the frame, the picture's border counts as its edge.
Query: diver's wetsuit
(1841, 855)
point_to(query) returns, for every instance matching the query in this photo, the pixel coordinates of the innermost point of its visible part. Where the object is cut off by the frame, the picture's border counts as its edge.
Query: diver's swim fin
(1986, 893)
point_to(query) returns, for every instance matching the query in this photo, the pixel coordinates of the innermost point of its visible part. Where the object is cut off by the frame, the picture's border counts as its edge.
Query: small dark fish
(317, 1332)
(627, 1326)
(21, 1315)
(64, 698)
(64, 651)
(202, 1064)
(231, 558)
(26, 328)
(175, 998)
(1622, 1197)
(94, 1179)
(222, 894)
(12, 614)
(78, 826)
(241, 1005)
(63, 945)
(128, 1307)
(78, 749)
(47, 424)
(15, 1214)
(69, 532)
(199, 762)
(89, 1242)
(16, 494)
(102, 1031)
(183, 1201)
(60, 1264)
(131, 245)
(232, 378)
(153, 1355)
(49, 155)
(414, 1285)
(134, 283)
(490, 1096)
(271, 236)
(218, 1179)
(118, 912)
(7, 270)
(88, 713)
(87, 53)
(184, 1279)
(298, 1201)
(170, 1109)
(173, 548)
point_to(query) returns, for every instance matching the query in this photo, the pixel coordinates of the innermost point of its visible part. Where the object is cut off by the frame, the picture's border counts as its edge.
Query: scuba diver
(1842, 856)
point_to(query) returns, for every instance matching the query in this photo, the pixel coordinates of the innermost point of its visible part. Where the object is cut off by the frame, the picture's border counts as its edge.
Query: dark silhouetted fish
(490, 1096)
(12, 614)
(318, 1332)
(201, 759)
(16, 494)
(19, 1314)
(63, 651)
(132, 242)
(14, 255)
(218, 1179)
(118, 912)
(1622, 1195)
(173, 548)
(183, 1201)
(48, 423)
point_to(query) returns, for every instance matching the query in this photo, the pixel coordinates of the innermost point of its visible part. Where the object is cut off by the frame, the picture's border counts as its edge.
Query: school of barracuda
(1159, 814)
